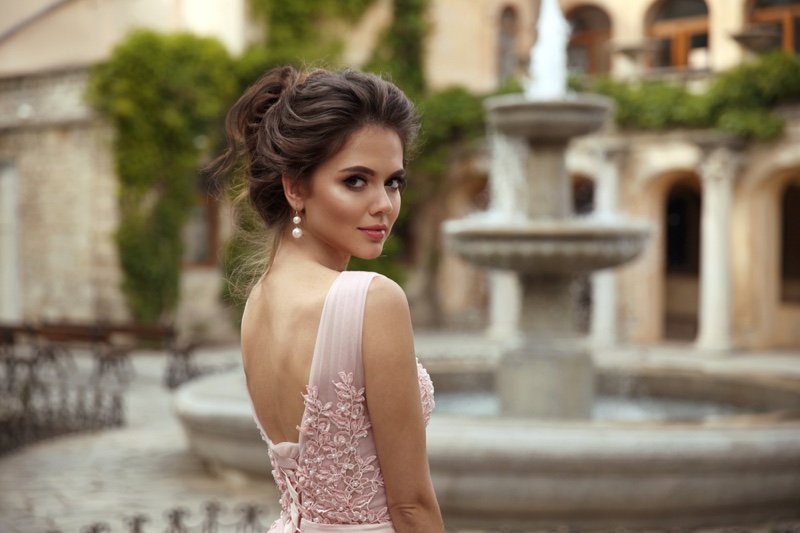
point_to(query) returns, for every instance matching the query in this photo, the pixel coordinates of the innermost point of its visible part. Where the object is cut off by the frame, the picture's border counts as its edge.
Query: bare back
(279, 331)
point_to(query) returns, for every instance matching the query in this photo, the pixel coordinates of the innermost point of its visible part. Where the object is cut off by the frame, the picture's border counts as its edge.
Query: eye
(355, 182)
(397, 183)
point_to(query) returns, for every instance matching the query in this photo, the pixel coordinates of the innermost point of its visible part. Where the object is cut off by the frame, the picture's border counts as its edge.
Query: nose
(381, 203)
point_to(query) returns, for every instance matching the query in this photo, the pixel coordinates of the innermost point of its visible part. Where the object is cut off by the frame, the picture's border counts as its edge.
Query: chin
(369, 255)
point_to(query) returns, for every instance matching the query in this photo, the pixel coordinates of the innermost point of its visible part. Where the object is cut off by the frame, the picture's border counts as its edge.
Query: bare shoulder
(385, 295)
(387, 323)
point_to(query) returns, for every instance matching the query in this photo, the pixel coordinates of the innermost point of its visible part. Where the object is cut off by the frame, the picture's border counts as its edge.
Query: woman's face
(354, 198)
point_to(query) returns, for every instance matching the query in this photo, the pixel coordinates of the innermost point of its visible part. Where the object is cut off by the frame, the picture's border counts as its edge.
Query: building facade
(723, 268)
(58, 193)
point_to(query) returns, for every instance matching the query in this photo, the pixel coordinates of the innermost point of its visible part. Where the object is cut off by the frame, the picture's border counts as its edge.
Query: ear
(293, 192)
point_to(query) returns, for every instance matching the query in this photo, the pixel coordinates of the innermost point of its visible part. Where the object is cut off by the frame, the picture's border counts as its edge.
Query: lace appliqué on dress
(332, 483)
(336, 484)
(425, 392)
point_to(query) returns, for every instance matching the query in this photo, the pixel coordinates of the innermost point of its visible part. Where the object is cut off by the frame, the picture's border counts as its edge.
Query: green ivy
(296, 29)
(450, 117)
(162, 94)
(739, 101)
(401, 49)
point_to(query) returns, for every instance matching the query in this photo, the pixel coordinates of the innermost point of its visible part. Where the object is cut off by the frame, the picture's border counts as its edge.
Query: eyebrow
(368, 171)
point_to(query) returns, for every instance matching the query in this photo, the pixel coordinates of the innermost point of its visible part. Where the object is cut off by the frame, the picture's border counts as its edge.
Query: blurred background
(114, 246)
(108, 108)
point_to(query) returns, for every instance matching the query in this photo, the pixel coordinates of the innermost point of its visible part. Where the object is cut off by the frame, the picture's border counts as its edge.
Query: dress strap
(338, 346)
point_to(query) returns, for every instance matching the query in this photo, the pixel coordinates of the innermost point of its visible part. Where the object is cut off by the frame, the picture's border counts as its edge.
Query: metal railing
(39, 400)
(214, 518)
(254, 518)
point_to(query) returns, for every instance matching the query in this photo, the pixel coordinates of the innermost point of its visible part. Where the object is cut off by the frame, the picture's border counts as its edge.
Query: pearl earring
(296, 232)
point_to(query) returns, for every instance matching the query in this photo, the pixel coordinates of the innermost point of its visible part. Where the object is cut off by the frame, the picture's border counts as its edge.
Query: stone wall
(463, 47)
(65, 200)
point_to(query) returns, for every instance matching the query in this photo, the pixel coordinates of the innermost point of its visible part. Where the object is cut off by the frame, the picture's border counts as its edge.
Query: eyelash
(351, 182)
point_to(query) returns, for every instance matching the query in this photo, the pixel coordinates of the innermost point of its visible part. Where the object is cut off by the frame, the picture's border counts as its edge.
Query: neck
(306, 249)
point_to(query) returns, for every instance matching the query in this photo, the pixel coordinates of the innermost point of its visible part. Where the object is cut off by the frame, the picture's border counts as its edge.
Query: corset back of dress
(342, 483)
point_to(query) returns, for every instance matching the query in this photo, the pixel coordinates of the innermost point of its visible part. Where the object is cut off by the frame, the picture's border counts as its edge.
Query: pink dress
(331, 479)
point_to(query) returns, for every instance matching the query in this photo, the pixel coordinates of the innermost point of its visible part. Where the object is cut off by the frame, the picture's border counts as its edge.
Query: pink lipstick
(376, 232)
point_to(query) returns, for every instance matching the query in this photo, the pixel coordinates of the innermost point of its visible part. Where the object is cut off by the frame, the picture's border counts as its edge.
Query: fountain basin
(568, 246)
(527, 473)
(547, 121)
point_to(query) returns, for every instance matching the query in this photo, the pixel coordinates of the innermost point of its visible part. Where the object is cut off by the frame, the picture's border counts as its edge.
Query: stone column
(604, 328)
(718, 173)
(507, 183)
(10, 305)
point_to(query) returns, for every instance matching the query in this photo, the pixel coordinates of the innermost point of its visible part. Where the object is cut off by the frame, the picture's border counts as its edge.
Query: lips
(376, 232)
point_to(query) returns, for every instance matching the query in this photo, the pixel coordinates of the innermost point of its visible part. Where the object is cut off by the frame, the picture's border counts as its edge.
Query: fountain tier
(546, 246)
(547, 121)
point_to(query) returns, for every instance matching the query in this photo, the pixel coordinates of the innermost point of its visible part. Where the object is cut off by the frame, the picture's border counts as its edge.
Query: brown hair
(289, 122)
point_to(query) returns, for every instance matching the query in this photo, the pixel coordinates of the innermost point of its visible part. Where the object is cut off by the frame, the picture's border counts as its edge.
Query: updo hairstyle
(289, 122)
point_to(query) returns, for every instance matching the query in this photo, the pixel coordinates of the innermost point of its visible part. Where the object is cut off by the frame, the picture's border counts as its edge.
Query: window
(790, 242)
(582, 195)
(679, 30)
(782, 16)
(588, 51)
(200, 235)
(682, 236)
(508, 61)
(684, 206)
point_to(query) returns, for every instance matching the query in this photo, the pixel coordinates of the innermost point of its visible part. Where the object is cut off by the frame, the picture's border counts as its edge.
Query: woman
(329, 355)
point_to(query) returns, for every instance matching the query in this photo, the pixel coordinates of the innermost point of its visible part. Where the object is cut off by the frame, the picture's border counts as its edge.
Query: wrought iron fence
(247, 518)
(180, 371)
(254, 518)
(39, 400)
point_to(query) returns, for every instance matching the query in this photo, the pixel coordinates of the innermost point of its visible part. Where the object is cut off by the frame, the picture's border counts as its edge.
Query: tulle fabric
(330, 480)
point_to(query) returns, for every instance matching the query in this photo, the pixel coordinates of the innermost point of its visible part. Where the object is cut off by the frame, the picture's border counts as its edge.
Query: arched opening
(583, 204)
(682, 258)
(582, 195)
(508, 60)
(679, 30)
(790, 242)
(588, 51)
(781, 17)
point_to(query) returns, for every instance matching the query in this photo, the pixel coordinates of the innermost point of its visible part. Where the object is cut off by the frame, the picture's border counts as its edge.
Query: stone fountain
(538, 461)
(546, 371)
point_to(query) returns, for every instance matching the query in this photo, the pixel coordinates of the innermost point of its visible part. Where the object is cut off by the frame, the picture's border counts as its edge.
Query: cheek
(340, 206)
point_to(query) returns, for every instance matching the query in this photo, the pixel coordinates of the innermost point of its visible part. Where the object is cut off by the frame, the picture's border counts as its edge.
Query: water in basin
(605, 409)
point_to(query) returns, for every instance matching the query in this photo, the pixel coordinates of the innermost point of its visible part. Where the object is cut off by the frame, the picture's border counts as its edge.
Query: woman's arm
(395, 409)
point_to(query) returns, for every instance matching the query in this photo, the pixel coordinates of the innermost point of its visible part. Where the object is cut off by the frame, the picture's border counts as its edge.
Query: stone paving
(145, 467)
(70, 482)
